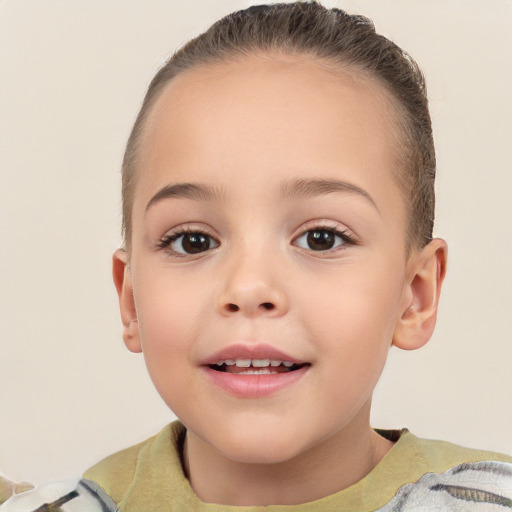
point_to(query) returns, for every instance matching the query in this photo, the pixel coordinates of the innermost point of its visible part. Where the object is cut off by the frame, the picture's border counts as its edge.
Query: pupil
(195, 242)
(321, 239)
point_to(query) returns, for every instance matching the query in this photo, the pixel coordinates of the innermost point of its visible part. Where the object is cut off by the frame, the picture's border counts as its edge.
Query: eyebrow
(302, 188)
(294, 189)
(186, 190)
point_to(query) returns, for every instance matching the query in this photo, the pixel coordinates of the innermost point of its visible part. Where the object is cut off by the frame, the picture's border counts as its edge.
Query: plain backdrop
(72, 76)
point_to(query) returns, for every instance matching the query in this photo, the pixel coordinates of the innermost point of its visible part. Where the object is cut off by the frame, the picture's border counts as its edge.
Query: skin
(250, 128)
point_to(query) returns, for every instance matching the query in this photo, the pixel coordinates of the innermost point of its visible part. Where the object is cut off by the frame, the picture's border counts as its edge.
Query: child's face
(268, 224)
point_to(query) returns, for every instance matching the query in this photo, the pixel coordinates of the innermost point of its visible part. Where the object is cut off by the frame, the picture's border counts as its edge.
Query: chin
(255, 455)
(258, 446)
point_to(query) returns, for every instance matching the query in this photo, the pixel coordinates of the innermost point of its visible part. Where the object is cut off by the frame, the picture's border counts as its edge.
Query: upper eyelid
(322, 224)
(185, 229)
(173, 234)
(339, 228)
(310, 225)
(350, 238)
(341, 234)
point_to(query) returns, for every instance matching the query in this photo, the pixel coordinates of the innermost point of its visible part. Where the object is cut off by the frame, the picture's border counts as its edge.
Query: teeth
(260, 371)
(257, 363)
(260, 362)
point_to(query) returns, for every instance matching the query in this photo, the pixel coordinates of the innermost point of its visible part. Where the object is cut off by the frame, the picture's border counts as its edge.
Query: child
(278, 212)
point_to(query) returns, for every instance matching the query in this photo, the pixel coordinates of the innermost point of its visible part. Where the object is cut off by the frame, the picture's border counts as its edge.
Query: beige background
(72, 75)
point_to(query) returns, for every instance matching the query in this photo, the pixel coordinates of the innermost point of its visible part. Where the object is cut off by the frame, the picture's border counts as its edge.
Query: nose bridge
(251, 283)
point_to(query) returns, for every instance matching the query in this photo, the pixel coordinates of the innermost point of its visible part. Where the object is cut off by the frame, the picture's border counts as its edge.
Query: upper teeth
(259, 363)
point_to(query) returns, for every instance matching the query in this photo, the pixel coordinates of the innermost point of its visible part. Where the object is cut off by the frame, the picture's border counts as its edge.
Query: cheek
(167, 303)
(168, 318)
(354, 346)
(355, 299)
(352, 317)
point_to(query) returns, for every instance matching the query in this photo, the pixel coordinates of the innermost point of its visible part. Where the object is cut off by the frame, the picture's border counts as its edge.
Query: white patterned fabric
(71, 496)
(470, 487)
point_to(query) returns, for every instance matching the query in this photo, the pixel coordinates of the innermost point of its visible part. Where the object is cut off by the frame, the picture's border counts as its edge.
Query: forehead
(264, 118)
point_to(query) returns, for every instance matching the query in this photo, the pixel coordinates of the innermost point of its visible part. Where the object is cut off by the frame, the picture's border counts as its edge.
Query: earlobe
(123, 282)
(425, 276)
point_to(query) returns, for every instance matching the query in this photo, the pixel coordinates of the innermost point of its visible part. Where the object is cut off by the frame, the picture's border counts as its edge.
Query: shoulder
(120, 473)
(442, 455)
(446, 476)
(116, 472)
(471, 486)
(124, 476)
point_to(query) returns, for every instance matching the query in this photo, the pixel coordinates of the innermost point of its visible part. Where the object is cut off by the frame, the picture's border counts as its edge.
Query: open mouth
(255, 372)
(255, 366)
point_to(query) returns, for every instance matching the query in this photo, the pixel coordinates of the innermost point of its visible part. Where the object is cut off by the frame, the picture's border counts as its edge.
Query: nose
(252, 288)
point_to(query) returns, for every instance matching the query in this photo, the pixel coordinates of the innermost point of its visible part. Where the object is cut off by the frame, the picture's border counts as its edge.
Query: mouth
(256, 366)
(254, 371)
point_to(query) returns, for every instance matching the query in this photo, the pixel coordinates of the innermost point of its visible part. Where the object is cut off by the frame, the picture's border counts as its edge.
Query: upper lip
(250, 351)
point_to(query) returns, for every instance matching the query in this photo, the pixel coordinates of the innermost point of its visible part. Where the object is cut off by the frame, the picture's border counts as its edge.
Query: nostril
(230, 307)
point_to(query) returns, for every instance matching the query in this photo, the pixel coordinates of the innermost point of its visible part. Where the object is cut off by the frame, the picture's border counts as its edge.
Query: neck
(332, 466)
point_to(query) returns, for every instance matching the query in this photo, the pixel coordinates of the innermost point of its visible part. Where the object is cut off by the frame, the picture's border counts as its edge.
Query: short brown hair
(330, 34)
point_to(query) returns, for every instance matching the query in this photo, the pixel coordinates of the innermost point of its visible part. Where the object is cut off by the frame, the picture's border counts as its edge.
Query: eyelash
(343, 233)
(165, 242)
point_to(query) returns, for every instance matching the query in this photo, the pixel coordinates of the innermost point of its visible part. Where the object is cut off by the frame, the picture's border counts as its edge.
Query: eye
(189, 242)
(321, 239)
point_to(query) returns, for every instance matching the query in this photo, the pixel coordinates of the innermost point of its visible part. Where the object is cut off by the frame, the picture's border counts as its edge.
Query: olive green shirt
(149, 477)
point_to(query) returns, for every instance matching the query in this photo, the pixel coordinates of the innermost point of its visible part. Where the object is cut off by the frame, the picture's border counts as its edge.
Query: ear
(426, 270)
(123, 281)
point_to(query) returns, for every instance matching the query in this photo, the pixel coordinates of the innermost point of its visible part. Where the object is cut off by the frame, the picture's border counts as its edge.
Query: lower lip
(254, 386)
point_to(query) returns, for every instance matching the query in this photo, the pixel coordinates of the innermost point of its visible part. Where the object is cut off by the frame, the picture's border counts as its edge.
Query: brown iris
(321, 239)
(194, 243)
